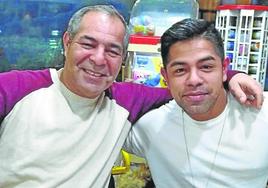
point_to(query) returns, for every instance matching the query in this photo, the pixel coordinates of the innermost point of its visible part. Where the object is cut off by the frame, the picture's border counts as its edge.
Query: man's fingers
(257, 99)
(239, 94)
(256, 95)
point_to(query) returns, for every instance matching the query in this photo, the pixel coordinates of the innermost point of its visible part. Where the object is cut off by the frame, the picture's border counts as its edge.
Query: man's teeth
(93, 73)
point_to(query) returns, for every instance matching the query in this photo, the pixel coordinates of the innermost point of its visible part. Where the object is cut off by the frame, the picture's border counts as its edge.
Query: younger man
(204, 137)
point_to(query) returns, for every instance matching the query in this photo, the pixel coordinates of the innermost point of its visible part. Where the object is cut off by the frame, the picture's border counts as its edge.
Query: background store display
(31, 30)
(148, 20)
(207, 9)
(244, 29)
(151, 17)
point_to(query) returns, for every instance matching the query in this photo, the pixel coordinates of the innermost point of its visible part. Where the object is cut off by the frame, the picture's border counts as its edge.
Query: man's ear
(66, 42)
(164, 74)
(225, 66)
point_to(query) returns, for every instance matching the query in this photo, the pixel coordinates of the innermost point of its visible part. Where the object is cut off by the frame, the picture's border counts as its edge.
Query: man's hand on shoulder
(246, 90)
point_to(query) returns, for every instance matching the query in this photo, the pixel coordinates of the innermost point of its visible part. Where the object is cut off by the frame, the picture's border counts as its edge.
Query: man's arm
(245, 89)
(14, 85)
(138, 98)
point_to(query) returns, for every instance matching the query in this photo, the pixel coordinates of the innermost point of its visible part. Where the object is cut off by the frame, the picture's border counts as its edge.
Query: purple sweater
(15, 85)
(135, 98)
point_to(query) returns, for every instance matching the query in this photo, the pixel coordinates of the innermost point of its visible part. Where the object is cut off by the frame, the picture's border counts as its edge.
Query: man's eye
(180, 71)
(86, 45)
(114, 53)
(206, 67)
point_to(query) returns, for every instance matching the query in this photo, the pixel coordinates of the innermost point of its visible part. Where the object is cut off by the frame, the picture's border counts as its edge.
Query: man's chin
(195, 109)
(97, 88)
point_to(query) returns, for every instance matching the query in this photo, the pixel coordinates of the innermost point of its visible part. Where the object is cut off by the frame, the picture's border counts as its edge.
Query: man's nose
(98, 56)
(194, 78)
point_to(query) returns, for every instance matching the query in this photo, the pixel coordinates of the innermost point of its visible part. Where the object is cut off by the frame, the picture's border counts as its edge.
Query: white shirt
(54, 138)
(238, 159)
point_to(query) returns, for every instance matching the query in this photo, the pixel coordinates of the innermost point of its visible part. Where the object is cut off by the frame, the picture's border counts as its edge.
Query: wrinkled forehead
(98, 17)
(106, 24)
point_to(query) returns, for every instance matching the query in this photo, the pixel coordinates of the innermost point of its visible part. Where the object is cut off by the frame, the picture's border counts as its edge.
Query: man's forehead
(192, 51)
(189, 47)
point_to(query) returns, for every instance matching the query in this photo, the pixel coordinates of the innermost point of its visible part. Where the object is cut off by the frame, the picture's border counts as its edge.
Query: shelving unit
(148, 21)
(244, 30)
(144, 62)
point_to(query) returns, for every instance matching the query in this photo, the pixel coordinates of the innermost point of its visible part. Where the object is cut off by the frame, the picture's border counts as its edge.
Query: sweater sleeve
(230, 74)
(14, 85)
(137, 98)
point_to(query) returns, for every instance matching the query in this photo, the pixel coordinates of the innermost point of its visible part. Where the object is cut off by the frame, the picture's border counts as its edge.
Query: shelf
(245, 38)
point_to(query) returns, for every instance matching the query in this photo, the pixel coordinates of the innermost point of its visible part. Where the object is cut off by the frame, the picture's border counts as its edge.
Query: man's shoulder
(137, 98)
(15, 85)
(248, 113)
(160, 116)
(25, 79)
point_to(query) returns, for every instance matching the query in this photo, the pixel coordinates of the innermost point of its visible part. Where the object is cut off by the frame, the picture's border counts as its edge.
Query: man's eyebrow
(207, 58)
(176, 63)
(88, 38)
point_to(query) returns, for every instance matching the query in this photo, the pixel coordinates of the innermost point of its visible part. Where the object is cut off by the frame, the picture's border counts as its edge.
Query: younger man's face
(195, 77)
